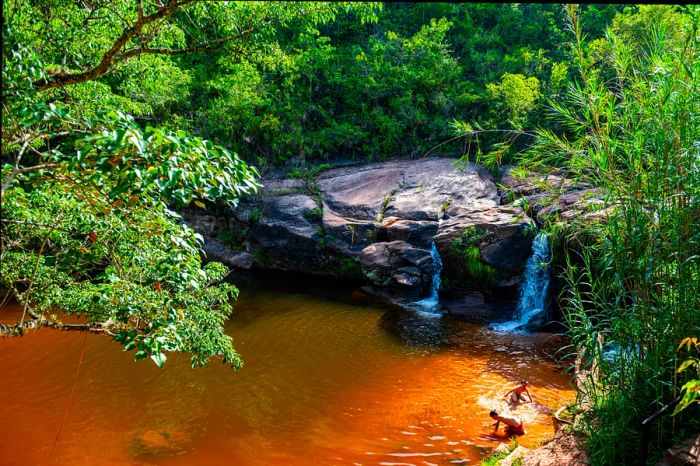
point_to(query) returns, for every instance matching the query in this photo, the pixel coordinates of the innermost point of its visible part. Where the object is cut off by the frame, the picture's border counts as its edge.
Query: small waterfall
(431, 303)
(533, 291)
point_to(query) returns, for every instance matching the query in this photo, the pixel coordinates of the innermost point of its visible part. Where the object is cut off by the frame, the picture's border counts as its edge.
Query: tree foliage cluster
(306, 81)
(91, 181)
(388, 88)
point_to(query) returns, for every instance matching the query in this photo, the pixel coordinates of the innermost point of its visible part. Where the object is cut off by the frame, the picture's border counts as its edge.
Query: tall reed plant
(630, 129)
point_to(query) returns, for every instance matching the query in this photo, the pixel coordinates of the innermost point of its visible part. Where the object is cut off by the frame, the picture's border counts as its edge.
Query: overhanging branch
(18, 330)
(111, 56)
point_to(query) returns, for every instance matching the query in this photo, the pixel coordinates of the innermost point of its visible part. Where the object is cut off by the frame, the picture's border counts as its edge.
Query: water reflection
(327, 380)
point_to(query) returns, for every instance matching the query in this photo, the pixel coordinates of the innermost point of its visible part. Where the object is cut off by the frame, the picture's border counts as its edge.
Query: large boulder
(377, 222)
(286, 237)
(413, 190)
(399, 267)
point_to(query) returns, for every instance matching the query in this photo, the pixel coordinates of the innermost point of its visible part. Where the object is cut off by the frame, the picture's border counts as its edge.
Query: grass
(495, 458)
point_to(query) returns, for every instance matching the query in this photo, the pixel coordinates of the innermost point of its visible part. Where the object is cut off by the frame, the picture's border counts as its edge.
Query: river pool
(334, 379)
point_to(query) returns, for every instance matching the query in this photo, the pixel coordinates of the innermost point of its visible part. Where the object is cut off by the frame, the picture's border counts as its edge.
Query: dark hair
(524, 382)
(493, 413)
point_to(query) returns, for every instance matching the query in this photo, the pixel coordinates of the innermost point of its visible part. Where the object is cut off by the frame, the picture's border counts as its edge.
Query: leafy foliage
(628, 127)
(87, 191)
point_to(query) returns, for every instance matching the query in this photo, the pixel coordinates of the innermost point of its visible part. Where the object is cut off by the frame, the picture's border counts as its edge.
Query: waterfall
(431, 303)
(533, 291)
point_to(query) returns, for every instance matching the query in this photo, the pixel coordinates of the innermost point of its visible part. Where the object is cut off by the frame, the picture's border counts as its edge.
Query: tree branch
(108, 59)
(19, 330)
(44, 225)
(17, 171)
(217, 44)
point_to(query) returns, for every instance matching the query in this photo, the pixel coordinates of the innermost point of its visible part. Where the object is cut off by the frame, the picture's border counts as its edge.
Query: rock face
(686, 453)
(563, 449)
(571, 199)
(377, 223)
(399, 267)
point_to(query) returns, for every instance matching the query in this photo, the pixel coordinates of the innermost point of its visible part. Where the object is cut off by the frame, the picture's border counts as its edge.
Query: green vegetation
(233, 239)
(495, 458)
(310, 173)
(349, 268)
(88, 191)
(468, 250)
(315, 214)
(628, 126)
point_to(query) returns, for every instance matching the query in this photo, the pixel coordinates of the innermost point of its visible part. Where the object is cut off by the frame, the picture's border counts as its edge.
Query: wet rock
(500, 233)
(160, 443)
(472, 307)
(398, 266)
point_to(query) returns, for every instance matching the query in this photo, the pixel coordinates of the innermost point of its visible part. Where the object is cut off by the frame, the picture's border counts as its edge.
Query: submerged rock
(156, 442)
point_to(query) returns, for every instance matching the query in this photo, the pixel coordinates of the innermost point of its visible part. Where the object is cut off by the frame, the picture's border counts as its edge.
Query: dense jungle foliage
(117, 113)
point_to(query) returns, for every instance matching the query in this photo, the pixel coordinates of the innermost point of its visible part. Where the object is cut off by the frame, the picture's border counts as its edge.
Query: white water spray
(431, 303)
(533, 291)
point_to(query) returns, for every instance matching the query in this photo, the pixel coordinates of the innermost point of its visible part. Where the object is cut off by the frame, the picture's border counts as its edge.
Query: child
(514, 425)
(516, 395)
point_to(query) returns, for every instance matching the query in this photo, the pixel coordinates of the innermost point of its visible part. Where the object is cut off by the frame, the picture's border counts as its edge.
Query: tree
(515, 98)
(89, 195)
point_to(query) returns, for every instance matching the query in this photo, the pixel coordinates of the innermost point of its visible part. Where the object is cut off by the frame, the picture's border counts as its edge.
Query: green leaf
(159, 359)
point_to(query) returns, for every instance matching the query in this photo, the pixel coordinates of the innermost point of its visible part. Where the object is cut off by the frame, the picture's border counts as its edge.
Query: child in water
(516, 395)
(514, 425)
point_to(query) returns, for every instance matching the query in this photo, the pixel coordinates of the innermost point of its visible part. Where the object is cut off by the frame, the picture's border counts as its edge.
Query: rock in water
(154, 442)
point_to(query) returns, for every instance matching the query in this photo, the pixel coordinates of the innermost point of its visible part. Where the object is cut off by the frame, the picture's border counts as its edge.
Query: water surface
(326, 381)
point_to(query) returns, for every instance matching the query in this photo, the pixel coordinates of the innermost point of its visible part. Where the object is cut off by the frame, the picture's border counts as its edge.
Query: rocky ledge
(381, 224)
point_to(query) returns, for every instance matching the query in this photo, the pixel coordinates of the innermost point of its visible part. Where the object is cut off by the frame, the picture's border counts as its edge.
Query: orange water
(325, 382)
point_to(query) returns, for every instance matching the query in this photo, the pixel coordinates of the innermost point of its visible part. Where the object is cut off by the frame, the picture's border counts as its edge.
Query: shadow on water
(417, 329)
(412, 327)
(344, 291)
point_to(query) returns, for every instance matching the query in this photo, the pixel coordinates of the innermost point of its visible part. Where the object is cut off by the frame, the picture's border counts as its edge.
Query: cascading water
(431, 303)
(534, 289)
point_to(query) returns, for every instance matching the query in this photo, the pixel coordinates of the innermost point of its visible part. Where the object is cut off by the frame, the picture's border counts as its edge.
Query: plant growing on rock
(315, 214)
(468, 249)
